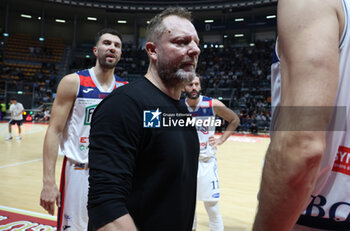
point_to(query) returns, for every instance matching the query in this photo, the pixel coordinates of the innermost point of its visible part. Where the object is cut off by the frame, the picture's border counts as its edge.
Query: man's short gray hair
(156, 27)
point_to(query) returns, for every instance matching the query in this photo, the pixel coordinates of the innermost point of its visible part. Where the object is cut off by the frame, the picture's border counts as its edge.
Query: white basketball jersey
(204, 111)
(275, 88)
(75, 140)
(330, 200)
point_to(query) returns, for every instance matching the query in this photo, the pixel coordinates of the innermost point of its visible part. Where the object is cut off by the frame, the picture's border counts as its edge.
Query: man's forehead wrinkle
(173, 30)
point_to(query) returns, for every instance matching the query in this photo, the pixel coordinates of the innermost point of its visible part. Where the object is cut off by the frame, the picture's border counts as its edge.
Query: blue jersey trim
(345, 24)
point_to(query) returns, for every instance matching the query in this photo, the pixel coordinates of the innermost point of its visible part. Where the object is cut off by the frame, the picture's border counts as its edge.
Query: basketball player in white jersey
(306, 178)
(77, 96)
(203, 108)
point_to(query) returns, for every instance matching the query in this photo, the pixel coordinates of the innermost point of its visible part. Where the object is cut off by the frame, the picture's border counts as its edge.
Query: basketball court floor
(239, 165)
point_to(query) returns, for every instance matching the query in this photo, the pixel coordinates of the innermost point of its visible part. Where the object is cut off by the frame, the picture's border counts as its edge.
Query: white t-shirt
(16, 111)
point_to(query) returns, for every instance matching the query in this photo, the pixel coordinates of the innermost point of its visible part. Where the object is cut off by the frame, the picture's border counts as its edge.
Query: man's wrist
(48, 181)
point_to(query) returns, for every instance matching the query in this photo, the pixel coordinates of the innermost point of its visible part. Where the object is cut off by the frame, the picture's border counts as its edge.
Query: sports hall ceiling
(155, 5)
(139, 10)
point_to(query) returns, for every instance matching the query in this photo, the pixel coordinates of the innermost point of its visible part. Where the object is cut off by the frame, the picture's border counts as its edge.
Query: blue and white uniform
(207, 177)
(329, 204)
(208, 181)
(74, 145)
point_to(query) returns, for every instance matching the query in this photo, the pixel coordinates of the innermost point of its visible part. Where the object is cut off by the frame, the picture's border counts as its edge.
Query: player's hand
(50, 195)
(214, 142)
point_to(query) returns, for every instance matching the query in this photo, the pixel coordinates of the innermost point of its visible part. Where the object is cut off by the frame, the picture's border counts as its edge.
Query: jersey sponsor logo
(83, 147)
(88, 90)
(339, 211)
(205, 104)
(84, 144)
(342, 161)
(203, 146)
(204, 129)
(67, 217)
(80, 166)
(216, 195)
(84, 140)
(151, 118)
(88, 114)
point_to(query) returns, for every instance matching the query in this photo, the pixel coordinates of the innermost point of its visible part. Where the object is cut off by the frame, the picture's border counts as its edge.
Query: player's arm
(21, 111)
(308, 48)
(230, 116)
(65, 97)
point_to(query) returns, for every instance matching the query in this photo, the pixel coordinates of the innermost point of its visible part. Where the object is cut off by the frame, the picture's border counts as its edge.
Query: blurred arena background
(43, 40)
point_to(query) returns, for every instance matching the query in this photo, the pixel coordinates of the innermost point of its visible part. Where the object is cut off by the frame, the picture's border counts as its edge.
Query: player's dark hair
(107, 31)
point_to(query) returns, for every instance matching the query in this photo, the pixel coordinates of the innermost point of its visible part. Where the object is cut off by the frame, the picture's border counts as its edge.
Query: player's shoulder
(218, 103)
(68, 86)
(336, 4)
(70, 79)
(313, 3)
(120, 79)
(133, 90)
(84, 73)
(71, 76)
(307, 9)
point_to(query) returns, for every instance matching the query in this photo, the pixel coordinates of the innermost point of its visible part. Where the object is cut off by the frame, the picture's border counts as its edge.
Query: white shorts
(208, 180)
(72, 214)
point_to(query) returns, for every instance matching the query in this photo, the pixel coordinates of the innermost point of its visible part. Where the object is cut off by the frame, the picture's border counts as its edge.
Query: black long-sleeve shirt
(150, 173)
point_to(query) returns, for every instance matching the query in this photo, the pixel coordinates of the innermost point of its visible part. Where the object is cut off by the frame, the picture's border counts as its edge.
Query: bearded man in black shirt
(143, 154)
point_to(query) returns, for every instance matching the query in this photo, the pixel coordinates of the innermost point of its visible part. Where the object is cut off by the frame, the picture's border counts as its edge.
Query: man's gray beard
(179, 77)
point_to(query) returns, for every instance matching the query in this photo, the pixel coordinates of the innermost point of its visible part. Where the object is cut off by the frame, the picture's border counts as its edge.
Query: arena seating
(23, 47)
(239, 76)
(31, 66)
